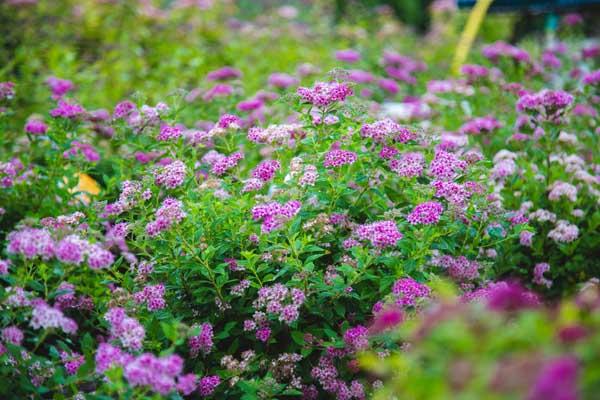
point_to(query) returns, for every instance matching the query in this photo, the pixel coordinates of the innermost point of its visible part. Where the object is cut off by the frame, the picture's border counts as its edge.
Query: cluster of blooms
(328, 376)
(12, 335)
(71, 361)
(454, 192)
(279, 301)
(170, 212)
(67, 110)
(558, 379)
(36, 127)
(273, 214)
(72, 249)
(265, 171)
(281, 80)
(309, 177)
(4, 264)
(380, 234)
(458, 268)
(208, 384)
(357, 338)
(9, 171)
(549, 103)
(498, 50)
(223, 74)
(562, 189)
(222, 164)
(427, 213)
(538, 274)
(87, 150)
(504, 164)
(44, 316)
(324, 94)
(171, 175)
(153, 296)
(408, 165)
(478, 126)
(474, 72)
(240, 288)
(337, 158)
(59, 87)
(407, 291)
(131, 193)
(274, 134)
(564, 232)
(168, 132)
(445, 165)
(7, 90)
(203, 341)
(592, 78)
(127, 330)
(386, 129)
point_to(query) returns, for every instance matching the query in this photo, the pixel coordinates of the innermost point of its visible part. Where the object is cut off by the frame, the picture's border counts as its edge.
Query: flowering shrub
(252, 236)
(498, 343)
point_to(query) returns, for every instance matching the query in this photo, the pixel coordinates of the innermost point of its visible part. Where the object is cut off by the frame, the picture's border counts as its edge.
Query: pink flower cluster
(562, 189)
(171, 175)
(153, 296)
(273, 214)
(203, 341)
(324, 94)
(407, 291)
(131, 193)
(9, 171)
(71, 361)
(67, 110)
(12, 335)
(381, 234)
(274, 134)
(549, 103)
(127, 330)
(59, 87)
(170, 213)
(564, 232)
(337, 158)
(168, 132)
(495, 51)
(456, 193)
(538, 275)
(481, 125)
(386, 129)
(357, 338)
(45, 317)
(408, 165)
(222, 163)
(459, 268)
(223, 73)
(85, 149)
(328, 376)
(445, 166)
(229, 121)
(31, 243)
(266, 170)
(279, 301)
(427, 213)
(36, 127)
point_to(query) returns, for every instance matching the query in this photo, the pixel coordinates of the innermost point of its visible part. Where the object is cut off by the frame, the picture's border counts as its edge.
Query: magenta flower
(427, 213)
(324, 94)
(337, 158)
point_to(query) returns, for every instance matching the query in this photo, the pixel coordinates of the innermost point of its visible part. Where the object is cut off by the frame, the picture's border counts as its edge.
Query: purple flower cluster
(265, 171)
(592, 78)
(562, 189)
(229, 121)
(279, 301)
(538, 274)
(59, 87)
(158, 373)
(381, 234)
(386, 129)
(549, 104)
(208, 384)
(170, 212)
(408, 165)
(127, 330)
(557, 380)
(324, 94)
(427, 213)
(273, 214)
(12, 335)
(281, 80)
(222, 163)
(131, 193)
(223, 73)
(203, 341)
(85, 149)
(348, 56)
(445, 166)
(65, 109)
(458, 268)
(407, 291)
(357, 338)
(481, 125)
(168, 132)
(31, 243)
(71, 361)
(500, 49)
(564, 232)
(328, 376)
(45, 317)
(171, 175)
(7, 90)
(4, 264)
(36, 127)
(153, 296)
(109, 356)
(337, 158)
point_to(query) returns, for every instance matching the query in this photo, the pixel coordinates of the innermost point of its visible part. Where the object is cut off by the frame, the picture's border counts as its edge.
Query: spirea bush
(253, 235)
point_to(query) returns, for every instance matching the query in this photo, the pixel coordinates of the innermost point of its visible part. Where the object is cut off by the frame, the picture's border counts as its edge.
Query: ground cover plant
(215, 214)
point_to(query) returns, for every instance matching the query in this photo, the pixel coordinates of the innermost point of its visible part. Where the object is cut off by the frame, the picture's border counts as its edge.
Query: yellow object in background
(85, 185)
(469, 33)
